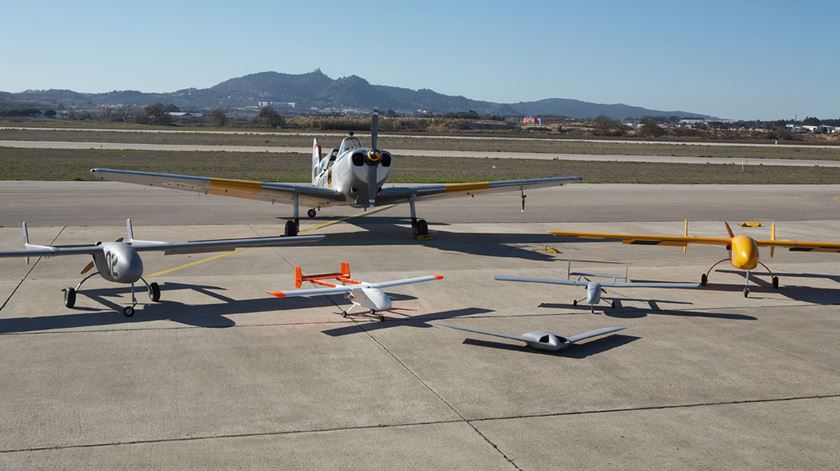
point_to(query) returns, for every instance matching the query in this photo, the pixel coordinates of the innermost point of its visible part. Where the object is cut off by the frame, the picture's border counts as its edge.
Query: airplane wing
(552, 281)
(402, 194)
(593, 333)
(644, 284)
(308, 195)
(645, 239)
(406, 281)
(482, 332)
(218, 245)
(52, 250)
(312, 292)
(801, 246)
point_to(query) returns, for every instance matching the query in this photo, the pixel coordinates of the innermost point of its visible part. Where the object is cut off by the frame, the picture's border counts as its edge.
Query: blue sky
(744, 59)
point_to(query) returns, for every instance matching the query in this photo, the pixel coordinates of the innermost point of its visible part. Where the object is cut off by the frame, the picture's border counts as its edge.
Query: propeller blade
(87, 267)
(119, 240)
(372, 185)
(374, 130)
(729, 230)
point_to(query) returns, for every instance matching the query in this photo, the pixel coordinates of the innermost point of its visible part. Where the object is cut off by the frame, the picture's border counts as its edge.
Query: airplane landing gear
(128, 311)
(69, 297)
(312, 212)
(704, 279)
(153, 288)
(775, 281)
(419, 227)
(746, 292)
(292, 228)
(293, 225)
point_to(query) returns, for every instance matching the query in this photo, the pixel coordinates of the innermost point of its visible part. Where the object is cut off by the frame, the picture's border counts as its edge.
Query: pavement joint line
(228, 254)
(665, 407)
(414, 424)
(28, 272)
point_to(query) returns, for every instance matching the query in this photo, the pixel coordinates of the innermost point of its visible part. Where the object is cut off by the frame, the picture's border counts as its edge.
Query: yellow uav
(743, 250)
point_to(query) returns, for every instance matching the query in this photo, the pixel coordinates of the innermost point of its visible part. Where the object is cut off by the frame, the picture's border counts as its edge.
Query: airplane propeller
(373, 158)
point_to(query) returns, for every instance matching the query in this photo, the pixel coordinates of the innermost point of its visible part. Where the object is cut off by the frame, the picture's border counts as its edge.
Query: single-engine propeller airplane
(595, 288)
(743, 250)
(349, 174)
(367, 295)
(119, 261)
(540, 339)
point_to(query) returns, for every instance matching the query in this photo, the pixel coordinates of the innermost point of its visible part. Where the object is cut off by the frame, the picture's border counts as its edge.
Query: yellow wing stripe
(646, 239)
(455, 187)
(237, 188)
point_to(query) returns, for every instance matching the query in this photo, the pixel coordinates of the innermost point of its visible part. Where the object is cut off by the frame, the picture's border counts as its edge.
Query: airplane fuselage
(346, 169)
(743, 253)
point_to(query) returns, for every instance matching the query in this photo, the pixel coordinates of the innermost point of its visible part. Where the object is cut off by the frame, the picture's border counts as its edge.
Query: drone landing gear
(372, 312)
(70, 293)
(312, 212)
(419, 227)
(704, 278)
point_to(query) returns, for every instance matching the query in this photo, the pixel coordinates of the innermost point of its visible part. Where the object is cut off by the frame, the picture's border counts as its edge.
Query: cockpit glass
(350, 143)
(545, 339)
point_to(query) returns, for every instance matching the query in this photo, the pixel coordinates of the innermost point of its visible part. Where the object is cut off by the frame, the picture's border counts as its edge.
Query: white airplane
(367, 295)
(540, 339)
(595, 288)
(120, 262)
(350, 174)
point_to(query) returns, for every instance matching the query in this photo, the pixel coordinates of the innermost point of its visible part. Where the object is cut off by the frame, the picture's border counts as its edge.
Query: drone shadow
(421, 321)
(627, 312)
(581, 350)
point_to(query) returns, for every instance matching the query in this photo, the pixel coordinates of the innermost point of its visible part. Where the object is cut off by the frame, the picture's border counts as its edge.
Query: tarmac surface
(218, 375)
(427, 153)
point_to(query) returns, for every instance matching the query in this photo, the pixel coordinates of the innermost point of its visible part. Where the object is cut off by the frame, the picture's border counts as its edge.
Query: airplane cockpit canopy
(349, 143)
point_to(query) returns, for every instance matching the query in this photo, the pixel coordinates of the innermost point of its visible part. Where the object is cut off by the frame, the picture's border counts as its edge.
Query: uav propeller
(91, 263)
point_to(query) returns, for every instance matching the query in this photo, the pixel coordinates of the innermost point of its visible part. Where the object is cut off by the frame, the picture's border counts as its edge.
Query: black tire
(154, 292)
(291, 229)
(612, 304)
(421, 228)
(69, 297)
(574, 303)
(746, 292)
(704, 279)
(128, 311)
(775, 281)
(312, 213)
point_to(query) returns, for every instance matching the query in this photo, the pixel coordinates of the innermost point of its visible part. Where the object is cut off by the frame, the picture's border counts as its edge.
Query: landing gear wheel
(574, 302)
(746, 292)
(312, 213)
(344, 314)
(612, 304)
(128, 311)
(775, 281)
(69, 297)
(421, 228)
(154, 292)
(381, 318)
(704, 279)
(291, 229)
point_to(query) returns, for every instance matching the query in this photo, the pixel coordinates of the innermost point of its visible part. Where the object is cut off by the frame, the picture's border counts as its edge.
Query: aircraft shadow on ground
(581, 350)
(809, 294)
(197, 315)
(421, 321)
(629, 312)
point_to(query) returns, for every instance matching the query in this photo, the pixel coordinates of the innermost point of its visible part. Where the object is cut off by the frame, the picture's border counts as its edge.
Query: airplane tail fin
(26, 239)
(298, 277)
(772, 237)
(129, 230)
(316, 158)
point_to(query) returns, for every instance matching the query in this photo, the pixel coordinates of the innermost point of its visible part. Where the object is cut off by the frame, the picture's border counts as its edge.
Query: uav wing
(645, 284)
(406, 281)
(551, 281)
(483, 332)
(801, 246)
(593, 333)
(403, 194)
(218, 245)
(32, 250)
(645, 239)
(308, 195)
(312, 292)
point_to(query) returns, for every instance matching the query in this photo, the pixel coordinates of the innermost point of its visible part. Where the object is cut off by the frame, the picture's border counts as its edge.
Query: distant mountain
(316, 91)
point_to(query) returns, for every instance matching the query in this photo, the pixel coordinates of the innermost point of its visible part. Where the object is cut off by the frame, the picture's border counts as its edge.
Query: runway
(426, 153)
(219, 375)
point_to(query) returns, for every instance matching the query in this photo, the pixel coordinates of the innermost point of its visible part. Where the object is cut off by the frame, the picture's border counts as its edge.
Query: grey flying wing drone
(595, 288)
(120, 262)
(540, 339)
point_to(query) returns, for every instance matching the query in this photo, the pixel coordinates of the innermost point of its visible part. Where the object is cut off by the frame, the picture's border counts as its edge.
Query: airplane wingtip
(438, 276)
(278, 294)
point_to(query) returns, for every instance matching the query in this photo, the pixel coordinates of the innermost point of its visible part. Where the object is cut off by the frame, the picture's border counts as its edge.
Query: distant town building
(532, 120)
(278, 105)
